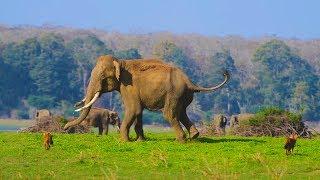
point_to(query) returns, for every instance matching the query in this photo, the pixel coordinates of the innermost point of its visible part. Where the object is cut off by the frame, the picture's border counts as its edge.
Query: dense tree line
(51, 72)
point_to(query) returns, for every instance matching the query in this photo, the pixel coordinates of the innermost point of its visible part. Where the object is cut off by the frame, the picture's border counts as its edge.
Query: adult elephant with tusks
(144, 83)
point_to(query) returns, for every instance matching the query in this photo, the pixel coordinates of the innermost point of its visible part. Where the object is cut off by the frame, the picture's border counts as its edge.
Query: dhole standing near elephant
(145, 83)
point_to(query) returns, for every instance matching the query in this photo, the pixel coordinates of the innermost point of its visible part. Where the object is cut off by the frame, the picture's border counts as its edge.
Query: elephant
(237, 120)
(220, 123)
(101, 118)
(144, 84)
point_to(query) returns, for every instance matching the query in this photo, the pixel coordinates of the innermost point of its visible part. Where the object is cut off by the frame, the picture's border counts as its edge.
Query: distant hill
(197, 46)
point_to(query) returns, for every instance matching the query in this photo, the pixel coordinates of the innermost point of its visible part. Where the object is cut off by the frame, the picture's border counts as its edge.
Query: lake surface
(14, 124)
(9, 127)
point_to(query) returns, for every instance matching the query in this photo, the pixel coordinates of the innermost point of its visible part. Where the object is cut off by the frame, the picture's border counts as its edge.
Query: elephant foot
(181, 140)
(125, 138)
(194, 133)
(140, 138)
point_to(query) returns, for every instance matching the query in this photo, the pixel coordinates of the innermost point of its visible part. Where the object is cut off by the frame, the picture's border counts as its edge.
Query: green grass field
(84, 156)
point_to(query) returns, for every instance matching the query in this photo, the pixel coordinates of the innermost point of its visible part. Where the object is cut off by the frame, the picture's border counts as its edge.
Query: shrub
(276, 115)
(61, 120)
(271, 121)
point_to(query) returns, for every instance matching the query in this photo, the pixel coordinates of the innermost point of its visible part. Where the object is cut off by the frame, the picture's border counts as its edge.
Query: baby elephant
(101, 118)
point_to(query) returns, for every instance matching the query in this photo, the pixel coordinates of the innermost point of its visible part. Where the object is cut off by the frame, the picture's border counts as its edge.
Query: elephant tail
(196, 88)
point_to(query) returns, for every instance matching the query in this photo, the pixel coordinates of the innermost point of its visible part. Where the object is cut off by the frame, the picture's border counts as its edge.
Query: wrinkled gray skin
(144, 83)
(101, 118)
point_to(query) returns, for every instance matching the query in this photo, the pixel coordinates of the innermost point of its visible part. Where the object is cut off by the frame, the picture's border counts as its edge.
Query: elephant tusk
(80, 103)
(90, 103)
(84, 99)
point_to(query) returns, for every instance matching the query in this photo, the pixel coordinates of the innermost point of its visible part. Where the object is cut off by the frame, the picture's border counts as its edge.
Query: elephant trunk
(91, 97)
(118, 125)
(89, 104)
(82, 116)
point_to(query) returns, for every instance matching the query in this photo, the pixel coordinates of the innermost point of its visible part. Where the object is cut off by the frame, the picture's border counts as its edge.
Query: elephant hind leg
(170, 113)
(191, 128)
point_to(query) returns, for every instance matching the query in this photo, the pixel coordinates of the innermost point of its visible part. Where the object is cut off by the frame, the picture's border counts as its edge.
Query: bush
(61, 120)
(276, 115)
(272, 121)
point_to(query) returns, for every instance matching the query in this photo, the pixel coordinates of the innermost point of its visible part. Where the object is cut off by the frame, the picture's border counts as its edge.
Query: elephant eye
(103, 76)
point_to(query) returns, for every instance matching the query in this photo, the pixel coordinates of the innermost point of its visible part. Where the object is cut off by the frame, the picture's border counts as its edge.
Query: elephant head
(114, 119)
(104, 78)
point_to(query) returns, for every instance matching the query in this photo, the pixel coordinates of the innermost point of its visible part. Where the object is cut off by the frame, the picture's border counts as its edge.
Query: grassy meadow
(84, 156)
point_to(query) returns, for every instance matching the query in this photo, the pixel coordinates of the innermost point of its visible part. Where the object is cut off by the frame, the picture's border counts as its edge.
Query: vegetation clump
(272, 121)
(217, 127)
(54, 124)
(45, 123)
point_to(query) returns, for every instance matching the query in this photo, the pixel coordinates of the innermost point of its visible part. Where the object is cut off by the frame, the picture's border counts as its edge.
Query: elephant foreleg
(138, 128)
(105, 129)
(100, 129)
(129, 118)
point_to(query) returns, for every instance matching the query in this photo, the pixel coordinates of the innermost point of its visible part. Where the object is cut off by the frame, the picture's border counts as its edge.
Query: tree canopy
(52, 71)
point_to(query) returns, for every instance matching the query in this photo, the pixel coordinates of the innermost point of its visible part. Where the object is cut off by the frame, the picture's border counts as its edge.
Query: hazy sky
(251, 18)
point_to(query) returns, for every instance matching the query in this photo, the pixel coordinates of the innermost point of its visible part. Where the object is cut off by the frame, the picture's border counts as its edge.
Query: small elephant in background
(101, 118)
(237, 120)
(220, 123)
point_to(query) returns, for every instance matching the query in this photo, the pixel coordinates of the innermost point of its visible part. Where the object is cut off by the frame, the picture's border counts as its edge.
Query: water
(9, 127)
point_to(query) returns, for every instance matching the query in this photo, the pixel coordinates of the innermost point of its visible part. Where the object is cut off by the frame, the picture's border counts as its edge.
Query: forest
(49, 67)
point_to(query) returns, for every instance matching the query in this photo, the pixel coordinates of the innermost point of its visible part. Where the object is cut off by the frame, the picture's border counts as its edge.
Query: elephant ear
(117, 66)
